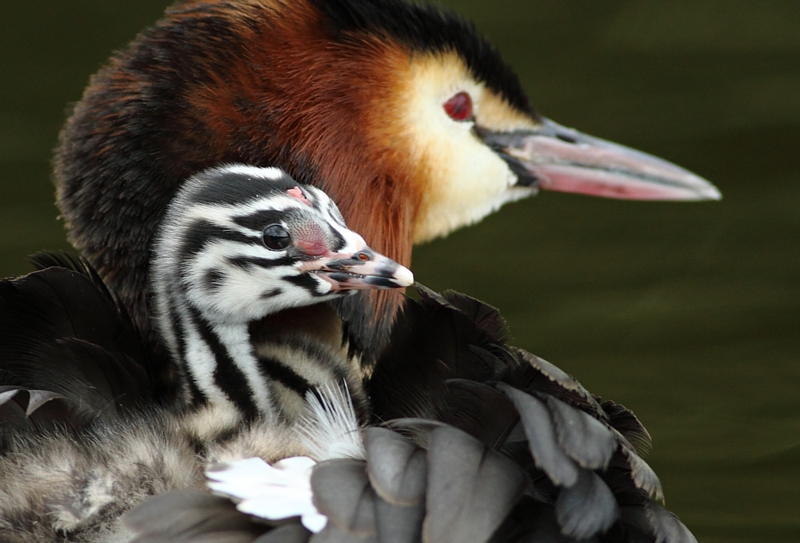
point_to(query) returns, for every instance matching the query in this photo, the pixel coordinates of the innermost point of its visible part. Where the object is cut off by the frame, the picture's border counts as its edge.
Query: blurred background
(689, 314)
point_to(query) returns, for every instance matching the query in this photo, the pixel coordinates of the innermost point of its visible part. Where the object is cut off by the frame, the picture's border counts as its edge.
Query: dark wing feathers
(474, 441)
(65, 341)
(533, 522)
(633, 475)
(483, 316)
(356, 512)
(194, 516)
(491, 424)
(288, 533)
(84, 303)
(457, 490)
(398, 523)
(342, 492)
(624, 421)
(507, 448)
(400, 477)
(332, 534)
(652, 518)
(471, 488)
(542, 440)
(12, 409)
(585, 439)
(449, 363)
(542, 376)
(586, 508)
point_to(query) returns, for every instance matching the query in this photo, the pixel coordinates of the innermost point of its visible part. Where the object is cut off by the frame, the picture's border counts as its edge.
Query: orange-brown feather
(312, 106)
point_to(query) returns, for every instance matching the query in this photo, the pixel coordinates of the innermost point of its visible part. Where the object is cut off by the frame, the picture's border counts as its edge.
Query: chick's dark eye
(459, 107)
(276, 237)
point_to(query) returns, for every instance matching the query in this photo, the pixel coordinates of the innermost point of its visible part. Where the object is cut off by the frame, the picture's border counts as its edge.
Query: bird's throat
(319, 321)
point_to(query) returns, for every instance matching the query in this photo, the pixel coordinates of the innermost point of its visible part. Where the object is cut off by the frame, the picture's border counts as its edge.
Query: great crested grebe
(402, 113)
(413, 124)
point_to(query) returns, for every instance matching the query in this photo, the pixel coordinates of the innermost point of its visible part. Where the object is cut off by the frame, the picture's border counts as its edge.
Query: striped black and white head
(239, 243)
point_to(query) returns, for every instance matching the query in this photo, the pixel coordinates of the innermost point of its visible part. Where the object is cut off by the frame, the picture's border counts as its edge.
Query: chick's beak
(553, 157)
(362, 270)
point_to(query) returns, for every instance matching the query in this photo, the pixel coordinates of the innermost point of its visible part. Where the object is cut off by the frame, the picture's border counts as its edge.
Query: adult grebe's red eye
(459, 107)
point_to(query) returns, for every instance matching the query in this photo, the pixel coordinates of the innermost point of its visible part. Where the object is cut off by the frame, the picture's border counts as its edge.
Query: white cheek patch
(246, 294)
(467, 179)
(471, 181)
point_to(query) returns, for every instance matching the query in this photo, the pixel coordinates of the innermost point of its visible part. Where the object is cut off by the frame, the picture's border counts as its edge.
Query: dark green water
(687, 313)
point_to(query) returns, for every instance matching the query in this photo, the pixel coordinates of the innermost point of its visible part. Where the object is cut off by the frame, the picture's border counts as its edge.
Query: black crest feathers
(426, 28)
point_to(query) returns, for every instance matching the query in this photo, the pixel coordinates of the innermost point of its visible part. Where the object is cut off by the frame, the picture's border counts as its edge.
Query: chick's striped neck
(238, 244)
